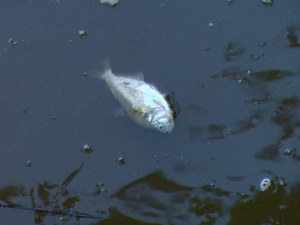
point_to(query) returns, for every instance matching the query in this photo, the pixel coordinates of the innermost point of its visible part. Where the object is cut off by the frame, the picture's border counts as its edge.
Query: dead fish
(142, 101)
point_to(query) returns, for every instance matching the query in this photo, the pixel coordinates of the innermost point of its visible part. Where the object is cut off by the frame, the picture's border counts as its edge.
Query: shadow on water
(154, 199)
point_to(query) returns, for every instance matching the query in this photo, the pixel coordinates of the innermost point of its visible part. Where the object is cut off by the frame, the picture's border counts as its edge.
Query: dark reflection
(8, 192)
(254, 78)
(284, 112)
(232, 73)
(233, 51)
(271, 75)
(210, 132)
(195, 133)
(276, 207)
(155, 180)
(44, 192)
(195, 108)
(235, 178)
(247, 124)
(296, 156)
(270, 152)
(116, 217)
(293, 35)
(154, 199)
(286, 116)
(293, 101)
(50, 195)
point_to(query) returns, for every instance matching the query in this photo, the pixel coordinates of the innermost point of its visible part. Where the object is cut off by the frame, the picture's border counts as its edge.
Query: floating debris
(111, 3)
(28, 163)
(100, 184)
(54, 118)
(265, 184)
(244, 195)
(211, 24)
(288, 151)
(12, 42)
(82, 34)
(256, 57)
(87, 149)
(266, 2)
(121, 161)
(262, 44)
(85, 74)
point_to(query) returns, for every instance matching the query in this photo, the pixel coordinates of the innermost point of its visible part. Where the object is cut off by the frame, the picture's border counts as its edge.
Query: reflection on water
(293, 35)
(233, 51)
(46, 200)
(285, 112)
(154, 199)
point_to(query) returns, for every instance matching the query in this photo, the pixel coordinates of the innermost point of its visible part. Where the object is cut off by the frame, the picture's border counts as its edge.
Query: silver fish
(142, 101)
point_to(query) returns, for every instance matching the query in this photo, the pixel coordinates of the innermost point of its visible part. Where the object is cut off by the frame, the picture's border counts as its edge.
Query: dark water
(237, 83)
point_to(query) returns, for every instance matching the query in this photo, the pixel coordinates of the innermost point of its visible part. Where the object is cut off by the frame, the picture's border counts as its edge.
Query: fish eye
(161, 127)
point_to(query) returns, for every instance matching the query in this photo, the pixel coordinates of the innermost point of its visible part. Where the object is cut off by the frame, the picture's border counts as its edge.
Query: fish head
(163, 122)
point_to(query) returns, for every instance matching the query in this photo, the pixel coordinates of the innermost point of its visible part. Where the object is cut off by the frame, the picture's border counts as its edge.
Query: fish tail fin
(106, 70)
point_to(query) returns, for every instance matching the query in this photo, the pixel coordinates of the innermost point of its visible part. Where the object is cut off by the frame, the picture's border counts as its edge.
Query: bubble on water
(121, 161)
(265, 184)
(213, 184)
(87, 149)
(282, 183)
(283, 207)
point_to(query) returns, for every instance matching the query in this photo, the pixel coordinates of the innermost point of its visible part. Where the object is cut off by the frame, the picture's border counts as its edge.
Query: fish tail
(106, 71)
